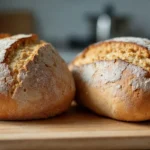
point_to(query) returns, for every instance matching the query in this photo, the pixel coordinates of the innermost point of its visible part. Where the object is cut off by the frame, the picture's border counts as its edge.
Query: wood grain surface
(74, 130)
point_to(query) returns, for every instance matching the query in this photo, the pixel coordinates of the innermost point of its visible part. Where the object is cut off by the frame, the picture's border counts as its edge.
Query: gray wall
(62, 18)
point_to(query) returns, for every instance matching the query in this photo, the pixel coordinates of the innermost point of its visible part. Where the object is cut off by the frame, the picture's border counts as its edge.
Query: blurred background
(71, 25)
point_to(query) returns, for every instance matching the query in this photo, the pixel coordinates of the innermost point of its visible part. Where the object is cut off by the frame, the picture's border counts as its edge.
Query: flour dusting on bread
(109, 71)
(5, 79)
(35, 81)
(7, 42)
(140, 41)
(141, 83)
(116, 75)
(131, 50)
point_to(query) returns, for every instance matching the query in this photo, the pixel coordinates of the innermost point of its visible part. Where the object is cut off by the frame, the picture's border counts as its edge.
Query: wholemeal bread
(113, 78)
(34, 80)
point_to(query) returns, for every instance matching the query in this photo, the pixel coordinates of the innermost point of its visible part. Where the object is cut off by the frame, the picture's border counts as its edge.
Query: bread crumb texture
(129, 49)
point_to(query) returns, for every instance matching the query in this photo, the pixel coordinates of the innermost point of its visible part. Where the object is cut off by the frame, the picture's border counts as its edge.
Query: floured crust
(7, 47)
(45, 86)
(115, 87)
(11, 43)
(123, 94)
(139, 41)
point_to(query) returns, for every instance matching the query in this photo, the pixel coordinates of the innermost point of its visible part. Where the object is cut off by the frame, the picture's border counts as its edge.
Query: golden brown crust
(111, 50)
(45, 86)
(116, 87)
(19, 42)
(114, 95)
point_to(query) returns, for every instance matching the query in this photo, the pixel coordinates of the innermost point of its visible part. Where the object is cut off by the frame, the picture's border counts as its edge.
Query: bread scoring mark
(18, 54)
(7, 42)
(140, 81)
(8, 47)
(110, 71)
(131, 50)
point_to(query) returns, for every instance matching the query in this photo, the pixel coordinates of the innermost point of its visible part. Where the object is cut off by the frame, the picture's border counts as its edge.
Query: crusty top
(7, 47)
(130, 49)
(8, 43)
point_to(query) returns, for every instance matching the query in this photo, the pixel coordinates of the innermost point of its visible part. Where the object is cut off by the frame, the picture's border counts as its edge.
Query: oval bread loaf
(113, 78)
(34, 80)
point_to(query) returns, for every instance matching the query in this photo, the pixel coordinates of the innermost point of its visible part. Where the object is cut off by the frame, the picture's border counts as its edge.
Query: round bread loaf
(113, 78)
(34, 80)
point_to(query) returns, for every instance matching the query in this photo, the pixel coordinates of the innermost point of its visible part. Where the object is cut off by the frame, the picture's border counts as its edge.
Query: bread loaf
(34, 80)
(113, 78)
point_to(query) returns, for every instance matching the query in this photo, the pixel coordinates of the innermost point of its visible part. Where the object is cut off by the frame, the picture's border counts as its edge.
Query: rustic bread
(113, 78)
(34, 80)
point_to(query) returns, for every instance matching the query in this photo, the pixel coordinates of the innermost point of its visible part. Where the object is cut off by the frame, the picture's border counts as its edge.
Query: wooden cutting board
(76, 129)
